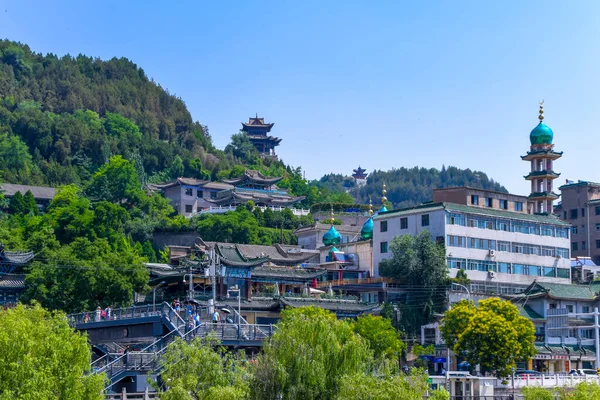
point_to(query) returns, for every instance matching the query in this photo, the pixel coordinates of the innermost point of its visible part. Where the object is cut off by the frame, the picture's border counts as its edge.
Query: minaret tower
(541, 155)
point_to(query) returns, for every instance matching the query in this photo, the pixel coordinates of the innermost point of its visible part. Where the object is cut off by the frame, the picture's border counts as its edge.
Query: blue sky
(383, 84)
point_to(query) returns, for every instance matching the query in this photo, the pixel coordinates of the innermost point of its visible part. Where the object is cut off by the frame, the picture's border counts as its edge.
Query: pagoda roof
(279, 273)
(12, 282)
(338, 306)
(257, 123)
(252, 176)
(542, 174)
(276, 254)
(233, 257)
(262, 138)
(542, 152)
(558, 291)
(38, 192)
(257, 196)
(544, 195)
(200, 183)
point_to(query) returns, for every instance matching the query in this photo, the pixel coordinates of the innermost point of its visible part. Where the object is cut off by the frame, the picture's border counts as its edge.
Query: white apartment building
(490, 243)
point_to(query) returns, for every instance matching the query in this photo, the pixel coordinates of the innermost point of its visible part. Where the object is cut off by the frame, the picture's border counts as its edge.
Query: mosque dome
(541, 134)
(367, 230)
(382, 209)
(332, 236)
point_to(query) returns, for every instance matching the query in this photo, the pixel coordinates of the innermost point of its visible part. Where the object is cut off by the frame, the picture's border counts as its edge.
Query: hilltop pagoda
(257, 131)
(359, 176)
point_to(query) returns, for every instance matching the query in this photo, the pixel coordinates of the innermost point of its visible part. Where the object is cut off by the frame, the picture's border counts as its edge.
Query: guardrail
(127, 313)
(220, 209)
(342, 282)
(552, 380)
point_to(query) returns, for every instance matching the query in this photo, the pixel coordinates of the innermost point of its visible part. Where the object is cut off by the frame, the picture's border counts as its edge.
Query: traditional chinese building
(541, 155)
(12, 278)
(359, 176)
(258, 132)
(254, 186)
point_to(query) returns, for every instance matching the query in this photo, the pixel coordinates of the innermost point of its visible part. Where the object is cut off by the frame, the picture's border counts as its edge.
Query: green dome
(367, 230)
(332, 236)
(541, 134)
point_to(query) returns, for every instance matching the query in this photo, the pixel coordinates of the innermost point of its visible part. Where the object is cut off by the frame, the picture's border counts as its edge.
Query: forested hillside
(407, 187)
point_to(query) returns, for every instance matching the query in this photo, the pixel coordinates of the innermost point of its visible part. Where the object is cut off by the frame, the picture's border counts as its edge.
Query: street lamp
(447, 346)
(235, 289)
(154, 295)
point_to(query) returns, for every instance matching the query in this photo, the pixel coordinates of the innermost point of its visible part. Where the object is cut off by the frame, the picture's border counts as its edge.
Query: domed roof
(333, 250)
(332, 236)
(382, 209)
(367, 230)
(541, 134)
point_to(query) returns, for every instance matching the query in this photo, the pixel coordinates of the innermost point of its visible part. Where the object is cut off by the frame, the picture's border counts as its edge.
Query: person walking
(98, 314)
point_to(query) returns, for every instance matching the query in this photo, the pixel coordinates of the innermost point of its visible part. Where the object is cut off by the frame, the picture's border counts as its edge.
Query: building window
(425, 220)
(503, 246)
(404, 223)
(585, 309)
(489, 202)
(188, 191)
(188, 208)
(574, 246)
(518, 206)
(552, 306)
(383, 226)
(574, 213)
(504, 267)
(562, 252)
(475, 199)
(569, 308)
(504, 204)
(564, 215)
(573, 230)
(457, 263)
(583, 212)
(213, 195)
(198, 210)
(383, 247)
(598, 244)
(199, 194)
(597, 227)
(563, 273)
(456, 241)
(597, 210)
(583, 246)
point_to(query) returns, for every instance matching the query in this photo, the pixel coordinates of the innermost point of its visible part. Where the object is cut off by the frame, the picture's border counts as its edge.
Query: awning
(439, 360)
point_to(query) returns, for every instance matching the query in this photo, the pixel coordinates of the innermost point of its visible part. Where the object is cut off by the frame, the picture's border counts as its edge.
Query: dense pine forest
(407, 187)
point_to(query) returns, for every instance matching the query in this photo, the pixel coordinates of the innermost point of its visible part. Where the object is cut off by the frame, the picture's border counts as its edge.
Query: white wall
(438, 227)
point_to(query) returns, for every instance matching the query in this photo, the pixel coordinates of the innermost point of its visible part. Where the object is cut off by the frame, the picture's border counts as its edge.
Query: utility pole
(191, 290)
(597, 343)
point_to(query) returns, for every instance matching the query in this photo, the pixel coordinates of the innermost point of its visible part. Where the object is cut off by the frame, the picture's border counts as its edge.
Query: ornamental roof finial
(383, 193)
(370, 207)
(332, 220)
(541, 116)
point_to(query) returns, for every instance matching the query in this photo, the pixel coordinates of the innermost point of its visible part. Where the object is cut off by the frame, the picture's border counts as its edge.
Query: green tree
(420, 264)
(85, 274)
(44, 358)
(207, 372)
(117, 182)
(148, 251)
(16, 205)
(241, 148)
(308, 354)
(493, 335)
(381, 336)
(29, 204)
(387, 387)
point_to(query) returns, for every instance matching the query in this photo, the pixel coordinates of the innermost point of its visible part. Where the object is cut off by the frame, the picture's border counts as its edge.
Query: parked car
(582, 372)
(524, 373)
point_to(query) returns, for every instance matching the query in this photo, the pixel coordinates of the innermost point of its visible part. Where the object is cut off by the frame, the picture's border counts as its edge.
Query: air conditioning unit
(492, 253)
(491, 274)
